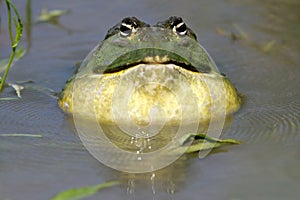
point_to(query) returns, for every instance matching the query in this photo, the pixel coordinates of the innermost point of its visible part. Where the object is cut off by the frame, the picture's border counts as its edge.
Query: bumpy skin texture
(151, 66)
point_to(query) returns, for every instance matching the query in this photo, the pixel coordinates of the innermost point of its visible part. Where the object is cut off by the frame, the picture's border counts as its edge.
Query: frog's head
(132, 42)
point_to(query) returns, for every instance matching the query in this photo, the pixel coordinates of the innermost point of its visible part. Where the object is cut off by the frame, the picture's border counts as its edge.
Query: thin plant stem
(14, 40)
(11, 58)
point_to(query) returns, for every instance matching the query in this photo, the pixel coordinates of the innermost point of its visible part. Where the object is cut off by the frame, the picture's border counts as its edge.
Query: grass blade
(20, 135)
(8, 99)
(83, 192)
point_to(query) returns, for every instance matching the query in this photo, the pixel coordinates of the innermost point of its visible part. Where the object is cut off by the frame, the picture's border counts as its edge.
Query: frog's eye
(179, 26)
(128, 26)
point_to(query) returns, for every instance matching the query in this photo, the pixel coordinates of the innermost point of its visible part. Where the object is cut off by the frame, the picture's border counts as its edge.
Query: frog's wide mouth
(151, 56)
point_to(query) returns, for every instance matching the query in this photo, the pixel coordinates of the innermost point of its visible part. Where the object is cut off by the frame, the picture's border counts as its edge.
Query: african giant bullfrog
(139, 67)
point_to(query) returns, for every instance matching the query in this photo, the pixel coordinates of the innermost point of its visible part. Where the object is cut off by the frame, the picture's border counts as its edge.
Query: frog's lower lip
(149, 56)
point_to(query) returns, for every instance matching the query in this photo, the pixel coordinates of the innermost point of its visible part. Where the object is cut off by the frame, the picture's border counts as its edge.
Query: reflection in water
(52, 17)
(131, 186)
(152, 182)
(165, 181)
(117, 149)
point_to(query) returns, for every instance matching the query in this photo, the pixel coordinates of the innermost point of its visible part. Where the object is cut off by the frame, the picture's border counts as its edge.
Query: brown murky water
(265, 166)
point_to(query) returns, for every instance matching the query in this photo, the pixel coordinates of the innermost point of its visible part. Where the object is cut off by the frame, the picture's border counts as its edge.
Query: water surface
(265, 166)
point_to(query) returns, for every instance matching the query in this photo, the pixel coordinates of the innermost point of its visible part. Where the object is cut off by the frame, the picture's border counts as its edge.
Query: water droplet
(152, 176)
(132, 140)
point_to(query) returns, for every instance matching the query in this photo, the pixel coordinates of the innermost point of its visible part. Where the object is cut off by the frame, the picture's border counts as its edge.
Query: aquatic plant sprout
(15, 39)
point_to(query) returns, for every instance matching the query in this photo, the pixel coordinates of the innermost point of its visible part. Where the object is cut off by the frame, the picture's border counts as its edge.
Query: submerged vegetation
(238, 34)
(51, 16)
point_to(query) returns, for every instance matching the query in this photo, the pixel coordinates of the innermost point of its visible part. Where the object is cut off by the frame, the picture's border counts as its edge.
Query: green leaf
(80, 193)
(202, 142)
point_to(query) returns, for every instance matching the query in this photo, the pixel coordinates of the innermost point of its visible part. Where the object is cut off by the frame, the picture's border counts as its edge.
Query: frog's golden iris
(156, 61)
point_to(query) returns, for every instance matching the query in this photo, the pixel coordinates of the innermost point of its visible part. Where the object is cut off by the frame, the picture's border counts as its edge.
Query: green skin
(164, 57)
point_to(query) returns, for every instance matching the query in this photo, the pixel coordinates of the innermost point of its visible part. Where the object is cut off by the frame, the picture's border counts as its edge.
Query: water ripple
(268, 123)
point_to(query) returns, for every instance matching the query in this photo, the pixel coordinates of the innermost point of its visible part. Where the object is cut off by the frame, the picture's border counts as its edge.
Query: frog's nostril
(185, 42)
